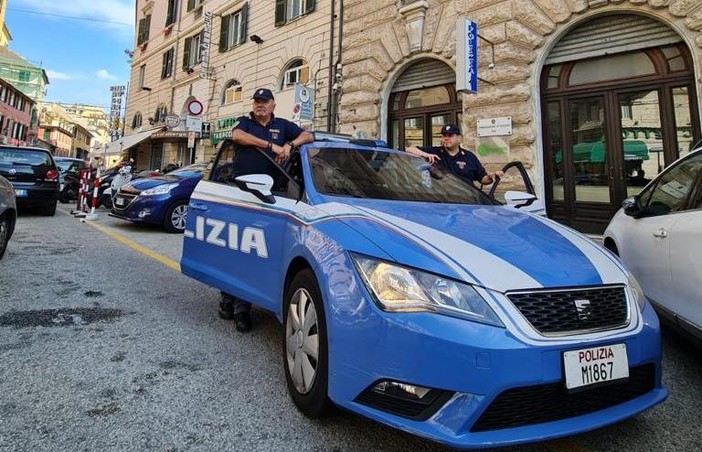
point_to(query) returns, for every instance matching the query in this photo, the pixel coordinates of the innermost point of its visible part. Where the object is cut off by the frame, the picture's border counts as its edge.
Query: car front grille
(125, 199)
(552, 402)
(568, 311)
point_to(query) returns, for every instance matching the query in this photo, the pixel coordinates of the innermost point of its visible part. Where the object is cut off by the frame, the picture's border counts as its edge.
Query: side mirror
(632, 207)
(257, 184)
(518, 199)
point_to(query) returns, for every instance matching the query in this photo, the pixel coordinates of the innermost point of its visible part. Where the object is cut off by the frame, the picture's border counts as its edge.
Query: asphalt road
(105, 346)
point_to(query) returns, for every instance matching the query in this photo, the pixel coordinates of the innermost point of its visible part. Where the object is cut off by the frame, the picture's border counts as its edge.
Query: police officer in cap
(258, 132)
(455, 158)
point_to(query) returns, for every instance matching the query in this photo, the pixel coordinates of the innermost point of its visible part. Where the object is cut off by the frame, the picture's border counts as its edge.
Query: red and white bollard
(96, 186)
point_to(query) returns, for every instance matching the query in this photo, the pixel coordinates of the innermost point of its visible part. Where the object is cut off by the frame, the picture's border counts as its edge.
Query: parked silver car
(8, 213)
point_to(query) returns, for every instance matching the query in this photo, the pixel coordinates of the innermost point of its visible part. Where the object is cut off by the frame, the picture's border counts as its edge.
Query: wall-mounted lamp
(257, 39)
(145, 88)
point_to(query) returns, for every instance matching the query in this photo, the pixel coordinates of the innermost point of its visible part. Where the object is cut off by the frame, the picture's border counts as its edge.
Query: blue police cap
(263, 93)
(450, 129)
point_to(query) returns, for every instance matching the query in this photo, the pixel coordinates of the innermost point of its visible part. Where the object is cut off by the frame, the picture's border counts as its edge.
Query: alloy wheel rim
(178, 217)
(302, 341)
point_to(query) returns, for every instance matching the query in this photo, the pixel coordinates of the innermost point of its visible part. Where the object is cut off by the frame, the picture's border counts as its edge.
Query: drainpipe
(331, 63)
(337, 66)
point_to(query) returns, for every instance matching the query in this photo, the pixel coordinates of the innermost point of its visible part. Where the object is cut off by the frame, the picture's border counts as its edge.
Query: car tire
(306, 374)
(5, 231)
(49, 210)
(174, 220)
(106, 200)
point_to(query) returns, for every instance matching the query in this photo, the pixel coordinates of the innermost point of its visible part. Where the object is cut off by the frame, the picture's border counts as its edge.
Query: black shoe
(242, 322)
(226, 309)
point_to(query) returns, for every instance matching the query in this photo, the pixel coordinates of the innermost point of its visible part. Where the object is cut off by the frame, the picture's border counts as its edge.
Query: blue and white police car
(416, 300)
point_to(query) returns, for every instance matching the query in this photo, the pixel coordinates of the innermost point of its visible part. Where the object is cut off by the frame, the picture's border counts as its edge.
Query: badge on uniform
(274, 133)
(461, 165)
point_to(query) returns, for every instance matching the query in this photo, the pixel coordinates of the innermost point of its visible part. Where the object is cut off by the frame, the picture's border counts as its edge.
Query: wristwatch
(292, 145)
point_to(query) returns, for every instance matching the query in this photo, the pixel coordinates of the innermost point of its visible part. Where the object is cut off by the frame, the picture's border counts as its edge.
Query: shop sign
(172, 134)
(205, 46)
(220, 135)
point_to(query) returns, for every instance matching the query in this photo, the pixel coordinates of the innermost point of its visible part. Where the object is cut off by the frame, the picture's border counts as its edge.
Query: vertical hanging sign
(205, 46)
(116, 111)
(466, 56)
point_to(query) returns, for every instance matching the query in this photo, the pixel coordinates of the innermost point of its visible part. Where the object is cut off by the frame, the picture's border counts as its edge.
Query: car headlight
(637, 292)
(160, 190)
(403, 289)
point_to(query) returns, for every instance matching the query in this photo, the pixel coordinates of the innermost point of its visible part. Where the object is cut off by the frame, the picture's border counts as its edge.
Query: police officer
(455, 158)
(260, 131)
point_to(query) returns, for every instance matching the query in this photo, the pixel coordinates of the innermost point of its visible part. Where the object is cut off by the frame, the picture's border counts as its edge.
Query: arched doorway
(422, 100)
(618, 105)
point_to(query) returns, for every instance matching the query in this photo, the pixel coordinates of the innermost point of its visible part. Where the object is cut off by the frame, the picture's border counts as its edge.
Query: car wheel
(5, 228)
(49, 210)
(176, 214)
(305, 346)
(106, 200)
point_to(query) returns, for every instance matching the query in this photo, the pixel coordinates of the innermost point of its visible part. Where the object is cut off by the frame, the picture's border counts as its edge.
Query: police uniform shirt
(464, 164)
(278, 131)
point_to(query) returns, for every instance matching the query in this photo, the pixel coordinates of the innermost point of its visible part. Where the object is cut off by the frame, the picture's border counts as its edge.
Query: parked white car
(658, 235)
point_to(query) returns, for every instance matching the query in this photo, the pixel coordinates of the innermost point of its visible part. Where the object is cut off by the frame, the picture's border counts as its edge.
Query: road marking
(136, 247)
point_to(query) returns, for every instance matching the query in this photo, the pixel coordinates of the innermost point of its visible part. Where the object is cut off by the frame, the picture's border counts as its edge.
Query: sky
(80, 44)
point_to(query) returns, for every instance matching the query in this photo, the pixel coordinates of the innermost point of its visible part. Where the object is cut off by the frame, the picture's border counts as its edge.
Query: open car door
(515, 189)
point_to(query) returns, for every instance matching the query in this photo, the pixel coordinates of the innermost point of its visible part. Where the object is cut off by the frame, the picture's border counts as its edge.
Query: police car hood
(492, 246)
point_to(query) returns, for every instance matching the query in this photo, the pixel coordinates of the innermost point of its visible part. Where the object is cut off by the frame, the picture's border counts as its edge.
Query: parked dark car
(8, 213)
(161, 200)
(34, 177)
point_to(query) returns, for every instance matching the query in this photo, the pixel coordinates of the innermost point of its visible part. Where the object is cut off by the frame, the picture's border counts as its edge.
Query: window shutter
(244, 22)
(140, 34)
(224, 32)
(170, 15)
(280, 12)
(186, 53)
(147, 27)
(310, 6)
(164, 63)
(191, 5)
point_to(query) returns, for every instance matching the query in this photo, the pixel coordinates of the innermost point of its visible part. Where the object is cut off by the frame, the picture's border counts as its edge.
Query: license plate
(119, 201)
(590, 366)
(20, 192)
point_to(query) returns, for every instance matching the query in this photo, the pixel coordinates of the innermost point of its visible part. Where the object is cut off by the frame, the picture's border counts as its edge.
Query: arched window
(422, 101)
(161, 113)
(298, 71)
(232, 92)
(136, 121)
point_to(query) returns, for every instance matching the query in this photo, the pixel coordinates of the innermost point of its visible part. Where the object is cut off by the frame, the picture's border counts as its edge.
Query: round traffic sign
(195, 107)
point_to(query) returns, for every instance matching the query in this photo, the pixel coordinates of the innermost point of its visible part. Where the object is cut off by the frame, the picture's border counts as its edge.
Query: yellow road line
(136, 247)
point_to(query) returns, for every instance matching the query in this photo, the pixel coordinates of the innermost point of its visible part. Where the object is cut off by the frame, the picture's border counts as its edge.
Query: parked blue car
(412, 298)
(161, 200)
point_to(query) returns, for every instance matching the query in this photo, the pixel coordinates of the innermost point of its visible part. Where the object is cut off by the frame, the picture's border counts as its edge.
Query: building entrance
(611, 124)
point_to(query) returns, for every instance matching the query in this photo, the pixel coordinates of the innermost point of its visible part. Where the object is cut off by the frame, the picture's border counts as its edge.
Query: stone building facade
(582, 73)
(200, 62)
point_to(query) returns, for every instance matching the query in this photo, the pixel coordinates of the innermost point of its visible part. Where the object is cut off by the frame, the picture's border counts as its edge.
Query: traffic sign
(195, 107)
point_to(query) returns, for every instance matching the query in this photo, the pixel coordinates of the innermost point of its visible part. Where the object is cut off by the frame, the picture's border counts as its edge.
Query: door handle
(198, 205)
(660, 234)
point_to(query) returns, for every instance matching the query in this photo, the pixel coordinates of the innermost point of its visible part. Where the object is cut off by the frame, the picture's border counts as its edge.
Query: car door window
(678, 189)
(228, 166)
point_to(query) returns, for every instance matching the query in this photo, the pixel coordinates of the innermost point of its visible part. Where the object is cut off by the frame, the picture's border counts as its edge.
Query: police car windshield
(376, 174)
